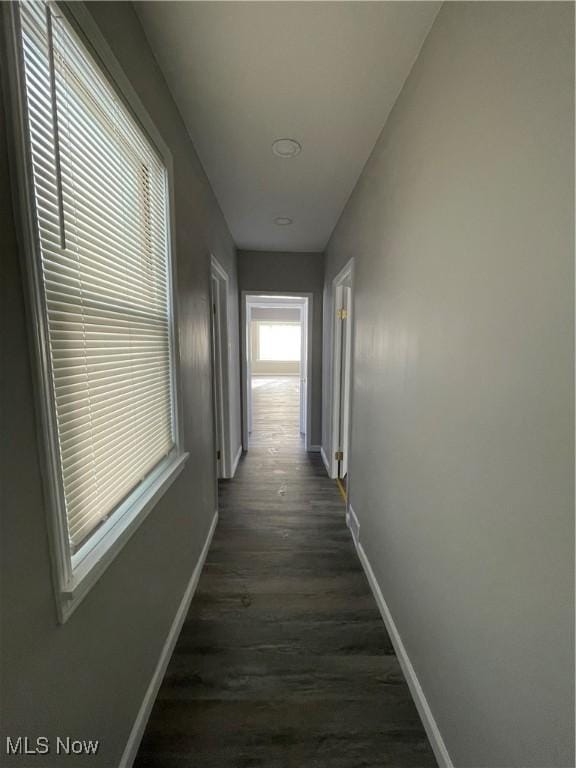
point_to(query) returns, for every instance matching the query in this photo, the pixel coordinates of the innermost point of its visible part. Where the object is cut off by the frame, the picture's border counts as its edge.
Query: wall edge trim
(235, 462)
(428, 721)
(325, 460)
(141, 721)
(353, 525)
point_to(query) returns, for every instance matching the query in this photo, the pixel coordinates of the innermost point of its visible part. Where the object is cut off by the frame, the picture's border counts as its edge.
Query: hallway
(283, 659)
(251, 250)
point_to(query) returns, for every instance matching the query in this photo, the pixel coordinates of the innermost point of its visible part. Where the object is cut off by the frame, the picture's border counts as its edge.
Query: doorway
(276, 360)
(219, 292)
(342, 288)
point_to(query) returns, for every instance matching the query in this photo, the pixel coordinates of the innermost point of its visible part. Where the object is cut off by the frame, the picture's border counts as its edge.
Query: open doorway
(342, 286)
(276, 369)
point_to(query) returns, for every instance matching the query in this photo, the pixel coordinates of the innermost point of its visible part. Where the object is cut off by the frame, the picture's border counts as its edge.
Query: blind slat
(115, 492)
(101, 205)
(100, 456)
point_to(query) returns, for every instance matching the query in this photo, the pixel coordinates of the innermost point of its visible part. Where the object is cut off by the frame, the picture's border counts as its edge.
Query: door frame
(303, 421)
(220, 330)
(274, 299)
(346, 274)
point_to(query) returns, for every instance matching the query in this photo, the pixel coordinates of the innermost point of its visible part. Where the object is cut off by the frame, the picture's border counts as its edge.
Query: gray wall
(275, 272)
(88, 677)
(289, 315)
(462, 443)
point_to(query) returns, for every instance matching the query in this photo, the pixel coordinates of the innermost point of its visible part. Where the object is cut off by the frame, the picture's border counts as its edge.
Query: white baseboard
(314, 449)
(353, 524)
(137, 732)
(325, 459)
(428, 721)
(235, 463)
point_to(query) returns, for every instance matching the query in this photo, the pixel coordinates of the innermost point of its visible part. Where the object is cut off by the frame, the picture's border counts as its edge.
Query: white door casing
(217, 376)
(342, 353)
(274, 299)
(346, 309)
(303, 366)
(219, 285)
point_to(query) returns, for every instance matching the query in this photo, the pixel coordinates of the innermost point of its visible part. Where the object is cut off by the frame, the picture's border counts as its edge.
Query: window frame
(74, 575)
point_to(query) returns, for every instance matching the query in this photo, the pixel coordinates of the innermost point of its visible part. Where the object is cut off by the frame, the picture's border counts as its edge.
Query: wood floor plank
(283, 659)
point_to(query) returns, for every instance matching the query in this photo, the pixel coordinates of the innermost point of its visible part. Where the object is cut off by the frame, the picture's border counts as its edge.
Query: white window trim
(74, 575)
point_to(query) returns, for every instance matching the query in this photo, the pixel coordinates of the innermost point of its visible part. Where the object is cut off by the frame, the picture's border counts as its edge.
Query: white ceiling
(246, 73)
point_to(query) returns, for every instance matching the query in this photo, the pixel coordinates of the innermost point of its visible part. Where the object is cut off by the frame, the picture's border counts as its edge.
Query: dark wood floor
(283, 660)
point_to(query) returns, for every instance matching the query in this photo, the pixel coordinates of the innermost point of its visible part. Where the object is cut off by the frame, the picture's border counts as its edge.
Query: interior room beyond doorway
(277, 368)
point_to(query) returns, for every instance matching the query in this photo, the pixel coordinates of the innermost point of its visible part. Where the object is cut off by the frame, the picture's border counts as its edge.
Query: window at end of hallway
(279, 341)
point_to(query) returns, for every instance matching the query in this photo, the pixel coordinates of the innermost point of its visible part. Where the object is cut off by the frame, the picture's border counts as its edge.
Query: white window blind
(101, 206)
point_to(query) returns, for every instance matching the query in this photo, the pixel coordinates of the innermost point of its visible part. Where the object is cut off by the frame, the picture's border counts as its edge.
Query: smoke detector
(286, 148)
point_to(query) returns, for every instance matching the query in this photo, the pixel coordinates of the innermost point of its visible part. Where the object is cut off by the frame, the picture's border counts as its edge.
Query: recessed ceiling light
(282, 221)
(286, 148)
